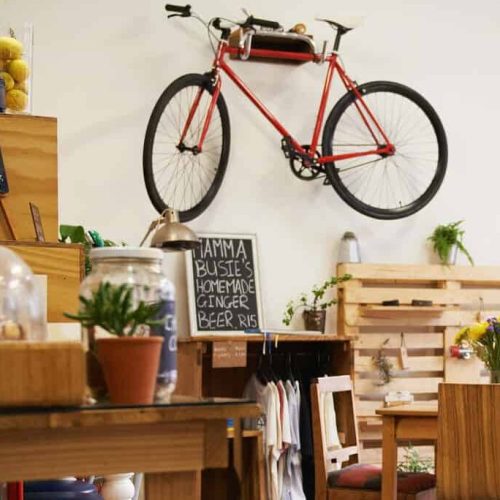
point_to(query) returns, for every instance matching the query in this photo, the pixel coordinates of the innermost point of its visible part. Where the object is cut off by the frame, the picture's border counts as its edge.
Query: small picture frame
(37, 222)
(223, 285)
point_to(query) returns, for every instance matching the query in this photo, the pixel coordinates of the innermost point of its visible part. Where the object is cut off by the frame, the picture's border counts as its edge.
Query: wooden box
(42, 373)
(29, 150)
(64, 266)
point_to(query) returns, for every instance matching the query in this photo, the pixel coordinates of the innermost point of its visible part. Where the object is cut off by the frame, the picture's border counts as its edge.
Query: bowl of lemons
(15, 71)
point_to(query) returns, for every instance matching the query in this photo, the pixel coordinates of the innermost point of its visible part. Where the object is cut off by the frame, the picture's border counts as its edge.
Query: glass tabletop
(176, 402)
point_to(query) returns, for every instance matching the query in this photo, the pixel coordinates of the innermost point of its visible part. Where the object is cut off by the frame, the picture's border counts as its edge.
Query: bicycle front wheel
(176, 174)
(386, 186)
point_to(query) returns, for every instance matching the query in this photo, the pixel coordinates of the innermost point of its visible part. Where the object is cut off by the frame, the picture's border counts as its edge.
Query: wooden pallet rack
(459, 295)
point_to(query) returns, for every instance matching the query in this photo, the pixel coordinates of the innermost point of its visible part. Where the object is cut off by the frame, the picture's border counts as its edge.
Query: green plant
(315, 302)
(412, 462)
(382, 364)
(89, 239)
(447, 235)
(111, 308)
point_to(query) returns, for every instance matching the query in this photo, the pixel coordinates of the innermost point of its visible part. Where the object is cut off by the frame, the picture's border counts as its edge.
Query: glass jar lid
(126, 253)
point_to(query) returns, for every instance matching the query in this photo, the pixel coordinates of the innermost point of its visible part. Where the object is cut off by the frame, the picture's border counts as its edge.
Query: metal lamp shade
(171, 235)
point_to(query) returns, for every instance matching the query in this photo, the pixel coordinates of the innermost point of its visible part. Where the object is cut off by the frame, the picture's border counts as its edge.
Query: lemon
(10, 48)
(21, 86)
(18, 70)
(16, 100)
(9, 81)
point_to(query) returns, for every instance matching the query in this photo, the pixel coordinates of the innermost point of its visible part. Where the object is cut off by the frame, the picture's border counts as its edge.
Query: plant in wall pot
(128, 355)
(447, 241)
(314, 306)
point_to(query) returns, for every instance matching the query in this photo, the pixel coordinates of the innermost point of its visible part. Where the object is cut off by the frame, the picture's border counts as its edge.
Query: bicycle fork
(198, 148)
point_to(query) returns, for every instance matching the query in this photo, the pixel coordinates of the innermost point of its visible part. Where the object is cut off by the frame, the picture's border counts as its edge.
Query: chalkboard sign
(223, 284)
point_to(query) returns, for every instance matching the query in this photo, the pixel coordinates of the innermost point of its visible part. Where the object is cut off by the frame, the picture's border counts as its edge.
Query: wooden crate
(42, 373)
(29, 150)
(64, 266)
(456, 292)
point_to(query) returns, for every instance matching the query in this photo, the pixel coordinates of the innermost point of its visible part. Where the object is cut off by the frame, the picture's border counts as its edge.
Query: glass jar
(16, 65)
(141, 268)
(22, 306)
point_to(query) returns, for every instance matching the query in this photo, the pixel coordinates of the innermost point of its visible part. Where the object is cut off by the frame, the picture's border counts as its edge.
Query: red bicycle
(383, 147)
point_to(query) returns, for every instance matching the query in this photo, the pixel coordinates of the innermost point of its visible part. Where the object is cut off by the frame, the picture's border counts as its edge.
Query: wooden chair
(328, 464)
(468, 448)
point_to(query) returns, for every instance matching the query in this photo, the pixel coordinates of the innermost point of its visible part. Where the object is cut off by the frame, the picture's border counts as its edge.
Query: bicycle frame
(223, 50)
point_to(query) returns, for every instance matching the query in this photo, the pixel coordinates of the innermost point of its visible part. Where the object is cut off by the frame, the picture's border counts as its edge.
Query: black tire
(344, 126)
(206, 168)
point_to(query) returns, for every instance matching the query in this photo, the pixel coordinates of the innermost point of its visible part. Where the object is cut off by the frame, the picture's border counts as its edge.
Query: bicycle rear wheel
(176, 175)
(391, 186)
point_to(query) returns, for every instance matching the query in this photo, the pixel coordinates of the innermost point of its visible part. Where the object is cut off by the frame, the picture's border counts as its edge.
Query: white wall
(100, 66)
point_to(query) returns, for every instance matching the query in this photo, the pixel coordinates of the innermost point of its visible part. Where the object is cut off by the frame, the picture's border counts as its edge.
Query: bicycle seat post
(338, 36)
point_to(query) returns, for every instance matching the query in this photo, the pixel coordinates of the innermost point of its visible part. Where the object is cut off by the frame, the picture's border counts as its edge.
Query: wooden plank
(41, 453)
(397, 312)
(468, 441)
(29, 149)
(414, 385)
(365, 295)
(63, 264)
(412, 340)
(189, 369)
(415, 363)
(354, 317)
(42, 373)
(416, 273)
(417, 428)
(366, 409)
(173, 485)
(217, 409)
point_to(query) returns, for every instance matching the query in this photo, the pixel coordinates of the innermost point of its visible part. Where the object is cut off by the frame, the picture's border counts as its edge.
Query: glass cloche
(22, 305)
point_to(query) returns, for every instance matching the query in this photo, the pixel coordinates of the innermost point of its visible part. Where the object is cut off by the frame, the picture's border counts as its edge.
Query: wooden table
(171, 443)
(403, 423)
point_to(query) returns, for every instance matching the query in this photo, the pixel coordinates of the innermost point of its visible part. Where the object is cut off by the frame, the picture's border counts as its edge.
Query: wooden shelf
(376, 311)
(257, 337)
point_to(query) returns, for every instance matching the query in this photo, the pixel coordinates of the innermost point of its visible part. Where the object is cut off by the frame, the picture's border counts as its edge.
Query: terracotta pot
(315, 320)
(130, 366)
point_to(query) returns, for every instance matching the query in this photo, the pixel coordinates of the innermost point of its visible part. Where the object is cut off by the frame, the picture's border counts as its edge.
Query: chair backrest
(468, 448)
(328, 460)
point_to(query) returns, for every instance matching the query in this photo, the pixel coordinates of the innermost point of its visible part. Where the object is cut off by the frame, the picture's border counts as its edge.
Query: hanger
(288, 368)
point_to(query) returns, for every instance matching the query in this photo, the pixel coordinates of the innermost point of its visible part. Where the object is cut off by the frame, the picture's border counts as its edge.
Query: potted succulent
(314, 306)
(128, 356)
(447, 241)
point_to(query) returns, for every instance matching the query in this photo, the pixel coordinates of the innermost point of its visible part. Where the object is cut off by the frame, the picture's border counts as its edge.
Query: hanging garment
(273, 441)
(292, 477)
(286, 438)
(255, 391)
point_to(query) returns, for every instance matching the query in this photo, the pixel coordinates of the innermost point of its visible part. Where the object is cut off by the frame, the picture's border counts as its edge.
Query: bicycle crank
(303, 166)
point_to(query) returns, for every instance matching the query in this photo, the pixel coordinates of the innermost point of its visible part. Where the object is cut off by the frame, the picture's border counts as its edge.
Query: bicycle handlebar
(264, 23)
(183, 11)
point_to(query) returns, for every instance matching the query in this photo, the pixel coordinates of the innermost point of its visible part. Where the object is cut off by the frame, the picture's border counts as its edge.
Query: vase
(315, 320)
(451, 260)
(495, 376)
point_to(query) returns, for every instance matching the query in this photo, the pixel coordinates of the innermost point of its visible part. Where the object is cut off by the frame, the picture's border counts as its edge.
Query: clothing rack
(198, 377)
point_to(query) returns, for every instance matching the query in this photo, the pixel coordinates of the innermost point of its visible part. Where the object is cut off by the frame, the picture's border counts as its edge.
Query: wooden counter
(171, 443)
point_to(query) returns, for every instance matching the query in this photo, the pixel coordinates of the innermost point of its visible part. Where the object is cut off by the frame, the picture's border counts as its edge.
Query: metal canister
(349, 248)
